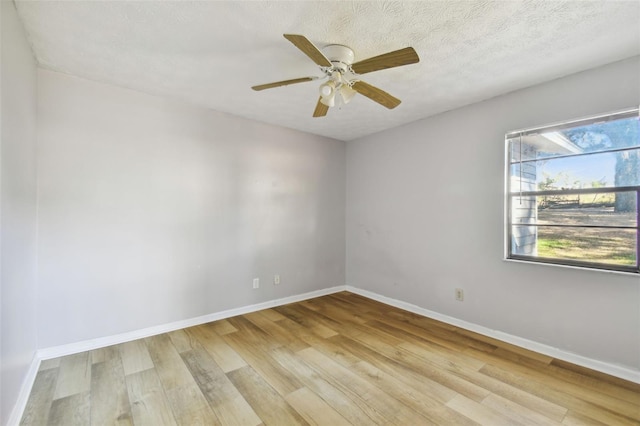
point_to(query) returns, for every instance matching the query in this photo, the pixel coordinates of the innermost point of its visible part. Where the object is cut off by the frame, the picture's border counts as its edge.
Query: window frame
(510, 196)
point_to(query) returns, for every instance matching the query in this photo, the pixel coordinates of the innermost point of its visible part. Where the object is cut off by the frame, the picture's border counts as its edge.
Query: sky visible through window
(594, 168)
(598, 169)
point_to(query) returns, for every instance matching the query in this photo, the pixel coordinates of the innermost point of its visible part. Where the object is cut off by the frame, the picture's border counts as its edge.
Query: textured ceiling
(211, 52)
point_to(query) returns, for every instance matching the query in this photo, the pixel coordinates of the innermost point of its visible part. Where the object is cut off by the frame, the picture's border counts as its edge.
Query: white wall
(425, 215)
(152, 211)
(17, 209)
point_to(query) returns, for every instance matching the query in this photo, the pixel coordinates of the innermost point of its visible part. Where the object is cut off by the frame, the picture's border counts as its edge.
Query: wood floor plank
(167, 362)
(149, 404)
(306, 317)
(535, 403)
(437, 326)
(47, 364)
(181, 340)
(479, 413)
(612, 386)
(408, 369)
(261, 360)
(438, 333)
(74, 375)
(272, 315)
(268, 404)
(522, 352)
(311, 304)
(520, 358)
(105, 354)
(429, 405)
(442, 356)
(361, 303)
(392, 409)
(365, 333)
(578, 419)
(224, 355)
(517, 412)
(327, 307)
(225, 399)
(432, 395)
(277, 333)
(135, 357)
(253, 334)
(358, 311)
(109, 396)
(350, 406)
(427, 368)
(36, 411)
(479, 337)
(324, 345)
(601, 377)
(73, 410)
(222, 327)
(306, 322)
(431, 335)
(314, 409)
(190, 407)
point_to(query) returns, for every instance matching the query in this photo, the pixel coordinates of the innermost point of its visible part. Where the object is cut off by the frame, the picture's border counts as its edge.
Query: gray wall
(17, 209)
(425, 214)
(152, 211)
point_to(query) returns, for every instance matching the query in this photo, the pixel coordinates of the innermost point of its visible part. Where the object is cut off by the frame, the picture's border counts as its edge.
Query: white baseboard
(87, 345)
(604, 367)
(25, 391)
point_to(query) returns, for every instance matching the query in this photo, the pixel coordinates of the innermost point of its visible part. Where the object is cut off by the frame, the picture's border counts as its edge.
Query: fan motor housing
(341, 57)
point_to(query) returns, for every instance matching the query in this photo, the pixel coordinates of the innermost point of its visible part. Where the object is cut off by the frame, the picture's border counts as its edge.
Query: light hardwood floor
(335, 360)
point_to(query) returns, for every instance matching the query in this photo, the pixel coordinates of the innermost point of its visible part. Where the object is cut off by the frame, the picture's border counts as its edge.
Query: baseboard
(87, 345)
(25, 391)
(601, 366)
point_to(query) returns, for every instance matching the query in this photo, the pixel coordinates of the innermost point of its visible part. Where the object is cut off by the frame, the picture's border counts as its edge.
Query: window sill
(581, 268)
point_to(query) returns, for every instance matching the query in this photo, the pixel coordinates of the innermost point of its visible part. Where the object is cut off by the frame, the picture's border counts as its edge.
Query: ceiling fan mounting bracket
(341, 57)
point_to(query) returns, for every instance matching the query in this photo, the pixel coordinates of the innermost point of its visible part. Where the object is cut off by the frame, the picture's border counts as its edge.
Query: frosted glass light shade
(328, 93)
(347, 93)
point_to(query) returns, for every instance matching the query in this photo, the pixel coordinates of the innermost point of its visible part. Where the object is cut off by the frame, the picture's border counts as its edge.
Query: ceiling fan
(343, 76)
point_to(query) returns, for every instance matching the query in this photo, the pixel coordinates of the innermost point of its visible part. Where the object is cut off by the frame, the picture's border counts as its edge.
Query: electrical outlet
(256, 283)
(459, 294)
(276, 279)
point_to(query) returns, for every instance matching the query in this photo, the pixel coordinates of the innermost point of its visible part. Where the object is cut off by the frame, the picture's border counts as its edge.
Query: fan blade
(283, 83)
(376, 95)
(309, 49)
(321, 109)
(393, 59)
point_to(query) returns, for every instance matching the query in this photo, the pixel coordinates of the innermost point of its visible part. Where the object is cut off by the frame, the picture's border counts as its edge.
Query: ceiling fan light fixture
(327, 89)
(347, 93)
(329, 100)
(328, 93)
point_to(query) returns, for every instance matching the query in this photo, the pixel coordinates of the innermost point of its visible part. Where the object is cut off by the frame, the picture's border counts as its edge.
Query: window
(573, 193)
